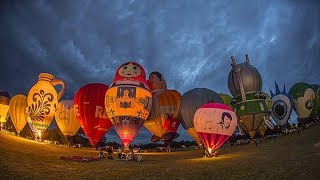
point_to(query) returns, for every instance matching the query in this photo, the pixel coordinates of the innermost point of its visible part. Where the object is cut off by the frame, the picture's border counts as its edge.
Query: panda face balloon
(282, 105)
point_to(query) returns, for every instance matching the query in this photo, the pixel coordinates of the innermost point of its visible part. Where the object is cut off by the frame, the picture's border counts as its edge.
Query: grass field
(295, 156)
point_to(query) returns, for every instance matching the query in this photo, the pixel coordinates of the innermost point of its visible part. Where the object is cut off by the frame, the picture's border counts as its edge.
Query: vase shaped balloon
(42, 102)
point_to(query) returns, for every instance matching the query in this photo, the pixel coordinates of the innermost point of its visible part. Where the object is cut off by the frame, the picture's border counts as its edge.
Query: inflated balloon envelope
(43, 100)
(66, 118)
(215, 123)
(128, 101)
(4, 105)
(17, 106)
(90, 111)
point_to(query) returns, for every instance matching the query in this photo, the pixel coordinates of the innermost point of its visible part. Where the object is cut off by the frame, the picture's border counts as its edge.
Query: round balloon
(191, 101)
(66, 118)
(17, 111)
(214, 123)
(90, 111)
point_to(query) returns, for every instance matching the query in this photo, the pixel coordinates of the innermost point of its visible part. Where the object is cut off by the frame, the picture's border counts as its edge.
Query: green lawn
(294, 156)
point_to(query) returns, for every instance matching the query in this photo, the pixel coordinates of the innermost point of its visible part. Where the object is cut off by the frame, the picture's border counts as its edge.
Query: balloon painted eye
(134, 67)
(125, 67)
(281, 109)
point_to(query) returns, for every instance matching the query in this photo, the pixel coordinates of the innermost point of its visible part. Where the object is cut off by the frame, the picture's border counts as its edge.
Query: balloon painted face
(156, 81)
(225, 120)
(129, 70)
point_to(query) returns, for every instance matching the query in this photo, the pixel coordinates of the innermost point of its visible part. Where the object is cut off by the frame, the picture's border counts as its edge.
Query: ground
(294, 156)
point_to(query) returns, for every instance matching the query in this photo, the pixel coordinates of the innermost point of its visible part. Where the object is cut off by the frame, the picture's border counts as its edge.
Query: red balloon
(214, 123)
(90, 111)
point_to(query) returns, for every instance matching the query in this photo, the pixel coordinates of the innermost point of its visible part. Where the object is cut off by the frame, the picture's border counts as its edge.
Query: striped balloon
(214, 123)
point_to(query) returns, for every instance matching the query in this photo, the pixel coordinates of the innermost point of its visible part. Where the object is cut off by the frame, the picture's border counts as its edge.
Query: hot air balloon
(303, 99)
(315, 114)
(226, 99)
(245, 84)
(266, 124)
(4, 106)
(128, 101)
(66, 118)
(90, 111)
(17, 107)
(43, 100)
(164, 118)
(214, 123)
(282, 104)
(191, 101)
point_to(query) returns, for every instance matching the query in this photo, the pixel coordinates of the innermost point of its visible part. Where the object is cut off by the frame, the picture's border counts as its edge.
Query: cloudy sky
(189, 42)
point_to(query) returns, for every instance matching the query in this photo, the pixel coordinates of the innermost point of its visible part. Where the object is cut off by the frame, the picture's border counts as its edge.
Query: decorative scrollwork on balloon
(41, 105)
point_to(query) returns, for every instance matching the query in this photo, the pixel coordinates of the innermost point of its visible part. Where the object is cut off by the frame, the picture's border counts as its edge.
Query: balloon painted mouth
(129, 74)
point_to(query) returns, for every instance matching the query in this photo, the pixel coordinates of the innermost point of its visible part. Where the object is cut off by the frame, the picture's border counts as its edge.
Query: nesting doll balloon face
(130, 71)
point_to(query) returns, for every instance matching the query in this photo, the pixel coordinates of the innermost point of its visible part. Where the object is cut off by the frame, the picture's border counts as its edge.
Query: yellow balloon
(193, 133)
(17, 106)
(163, 102)
(4, 108)
(43, 99)
(66, 118)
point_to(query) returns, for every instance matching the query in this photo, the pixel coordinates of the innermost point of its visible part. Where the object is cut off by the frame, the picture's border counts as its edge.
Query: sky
(189, 41)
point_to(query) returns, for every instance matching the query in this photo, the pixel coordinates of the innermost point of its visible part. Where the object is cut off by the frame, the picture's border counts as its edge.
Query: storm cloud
(189, 42)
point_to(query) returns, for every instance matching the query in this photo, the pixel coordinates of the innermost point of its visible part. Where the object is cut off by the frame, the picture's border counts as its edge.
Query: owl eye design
(281, 106)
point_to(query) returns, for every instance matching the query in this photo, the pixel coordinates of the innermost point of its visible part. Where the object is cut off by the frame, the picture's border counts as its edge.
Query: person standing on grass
(109, 153)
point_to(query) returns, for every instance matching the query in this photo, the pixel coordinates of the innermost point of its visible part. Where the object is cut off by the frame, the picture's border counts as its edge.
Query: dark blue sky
(189, 42)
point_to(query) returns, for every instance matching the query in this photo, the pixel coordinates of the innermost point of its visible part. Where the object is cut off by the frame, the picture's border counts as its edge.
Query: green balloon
(226, 99)
(303, 99)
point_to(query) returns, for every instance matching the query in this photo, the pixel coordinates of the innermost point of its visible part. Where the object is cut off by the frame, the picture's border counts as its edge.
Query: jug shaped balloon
(43, 99)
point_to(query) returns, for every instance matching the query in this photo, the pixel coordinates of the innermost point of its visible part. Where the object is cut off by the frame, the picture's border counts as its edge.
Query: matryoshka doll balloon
(128, 101)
